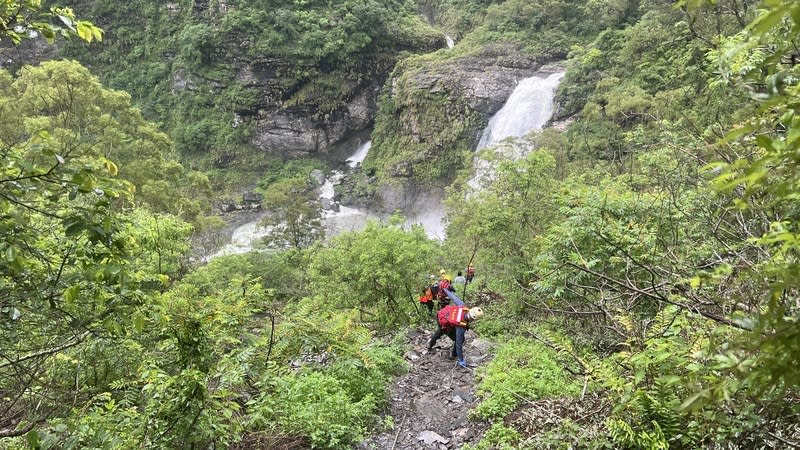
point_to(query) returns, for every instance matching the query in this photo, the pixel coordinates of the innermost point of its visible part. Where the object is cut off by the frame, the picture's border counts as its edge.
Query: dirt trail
(429, 404)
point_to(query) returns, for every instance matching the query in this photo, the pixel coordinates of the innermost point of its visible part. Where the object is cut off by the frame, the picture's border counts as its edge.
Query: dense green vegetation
(438, 125)
(640, 267)
(205, 71)
(661, 231)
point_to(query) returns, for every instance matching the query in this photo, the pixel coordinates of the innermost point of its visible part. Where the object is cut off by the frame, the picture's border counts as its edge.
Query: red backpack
(452, 316)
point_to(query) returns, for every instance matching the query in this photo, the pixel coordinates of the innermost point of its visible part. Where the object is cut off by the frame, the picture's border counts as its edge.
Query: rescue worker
(470, 273)
(454, 321)
(444, 288)
(428, 294)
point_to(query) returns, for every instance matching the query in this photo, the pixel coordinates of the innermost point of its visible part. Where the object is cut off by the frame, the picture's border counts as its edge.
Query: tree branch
(662, 298)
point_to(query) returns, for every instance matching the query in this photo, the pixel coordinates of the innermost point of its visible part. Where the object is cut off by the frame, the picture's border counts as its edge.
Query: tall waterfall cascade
(528, 109)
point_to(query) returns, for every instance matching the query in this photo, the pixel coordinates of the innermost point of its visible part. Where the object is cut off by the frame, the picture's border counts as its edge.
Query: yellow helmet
(442, 272)
(475, 313)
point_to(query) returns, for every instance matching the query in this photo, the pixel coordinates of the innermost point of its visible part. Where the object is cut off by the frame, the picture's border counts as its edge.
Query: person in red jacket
(454, 321)
(444, 285)
(470, 273)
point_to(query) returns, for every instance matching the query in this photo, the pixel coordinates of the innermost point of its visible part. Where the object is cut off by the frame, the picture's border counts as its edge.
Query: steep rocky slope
(429, 404)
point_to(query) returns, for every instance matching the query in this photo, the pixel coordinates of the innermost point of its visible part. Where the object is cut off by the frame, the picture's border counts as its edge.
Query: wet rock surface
(429, 404)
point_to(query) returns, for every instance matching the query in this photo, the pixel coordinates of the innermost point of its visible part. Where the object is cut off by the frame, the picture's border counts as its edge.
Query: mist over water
(428, 211)
(527, 109)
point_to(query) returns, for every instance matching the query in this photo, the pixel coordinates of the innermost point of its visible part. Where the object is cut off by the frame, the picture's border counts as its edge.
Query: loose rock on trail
(429, 404)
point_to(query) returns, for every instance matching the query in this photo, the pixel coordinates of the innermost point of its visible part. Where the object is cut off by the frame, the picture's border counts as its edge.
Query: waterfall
(450, 42)
(337, 218)
(527, 109)
(358, 157)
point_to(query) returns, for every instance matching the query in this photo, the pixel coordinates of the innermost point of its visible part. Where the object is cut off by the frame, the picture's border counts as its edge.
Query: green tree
(378, 271)
(27, 19)
(78, 262)
(499, 222)
(761, 172)
(295, 214)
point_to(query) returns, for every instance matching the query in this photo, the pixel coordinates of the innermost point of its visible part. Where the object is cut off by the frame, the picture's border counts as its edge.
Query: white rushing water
(337, 218)
(527, 109)
(450, 42)
(243, 239)
(358, 157)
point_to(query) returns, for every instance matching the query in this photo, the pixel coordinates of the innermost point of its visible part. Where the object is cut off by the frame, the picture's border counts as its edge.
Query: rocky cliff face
(30, 51)
(483, 81)
(434, 110)
(284, 119)
(295, 132)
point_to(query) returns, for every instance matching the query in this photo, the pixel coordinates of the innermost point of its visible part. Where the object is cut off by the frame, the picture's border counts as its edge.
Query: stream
(528, 108)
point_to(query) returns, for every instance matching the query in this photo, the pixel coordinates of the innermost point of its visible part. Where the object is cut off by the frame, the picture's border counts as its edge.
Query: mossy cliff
(434, 106)
(433, 109)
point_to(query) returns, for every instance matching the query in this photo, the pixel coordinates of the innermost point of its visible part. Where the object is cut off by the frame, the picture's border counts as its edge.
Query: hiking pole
(469, 263)
(399, 430)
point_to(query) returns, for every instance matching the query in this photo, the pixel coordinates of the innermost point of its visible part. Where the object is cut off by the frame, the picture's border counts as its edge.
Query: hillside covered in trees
(638, 267)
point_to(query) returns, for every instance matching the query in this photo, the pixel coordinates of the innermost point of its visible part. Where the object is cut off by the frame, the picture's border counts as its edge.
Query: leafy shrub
(316, 405)
(497, 437)
(523, 370)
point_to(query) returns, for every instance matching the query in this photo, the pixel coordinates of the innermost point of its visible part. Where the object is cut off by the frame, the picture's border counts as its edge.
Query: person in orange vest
(428, 295)
(444, 286)
(454, 322)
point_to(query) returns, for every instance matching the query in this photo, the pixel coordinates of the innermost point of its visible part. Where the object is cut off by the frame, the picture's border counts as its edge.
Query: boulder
(250, 198)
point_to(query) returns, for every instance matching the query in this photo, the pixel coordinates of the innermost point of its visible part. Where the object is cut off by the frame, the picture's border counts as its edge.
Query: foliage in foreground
(670, 256)
(521, 371)
(678, 288)
(103, 346)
